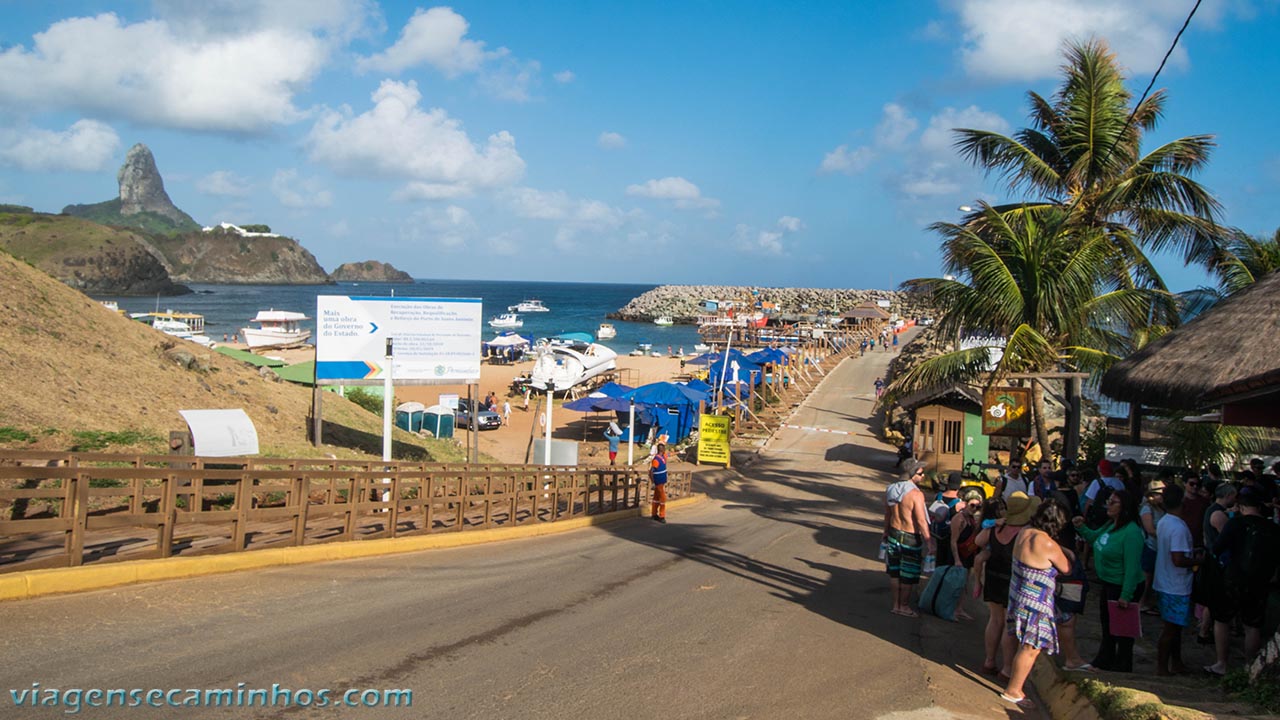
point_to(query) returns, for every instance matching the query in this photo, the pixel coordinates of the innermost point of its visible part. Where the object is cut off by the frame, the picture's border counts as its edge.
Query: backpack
(940, 514)
(1097, 515)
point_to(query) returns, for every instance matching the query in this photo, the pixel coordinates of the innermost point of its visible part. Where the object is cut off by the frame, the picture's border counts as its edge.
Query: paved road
(764, 602)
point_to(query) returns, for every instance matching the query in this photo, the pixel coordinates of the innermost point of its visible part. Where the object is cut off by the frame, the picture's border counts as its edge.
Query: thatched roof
(1228, 350)
(866, 311)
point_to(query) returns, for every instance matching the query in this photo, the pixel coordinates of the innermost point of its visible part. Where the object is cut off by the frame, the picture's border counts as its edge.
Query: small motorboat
(606, 331)
(528, 306)
(663, 320)
(642, 349)
(506, 320)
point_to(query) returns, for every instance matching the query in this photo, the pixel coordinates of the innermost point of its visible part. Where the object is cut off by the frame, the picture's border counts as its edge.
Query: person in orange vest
(658, 476)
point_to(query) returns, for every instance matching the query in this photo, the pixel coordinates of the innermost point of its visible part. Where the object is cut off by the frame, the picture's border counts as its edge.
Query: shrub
(365, 399)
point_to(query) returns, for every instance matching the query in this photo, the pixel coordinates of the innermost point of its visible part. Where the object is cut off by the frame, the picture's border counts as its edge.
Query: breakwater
(683, 303)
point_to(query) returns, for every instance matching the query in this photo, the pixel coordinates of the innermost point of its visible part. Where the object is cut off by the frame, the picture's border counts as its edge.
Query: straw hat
(1019, 508)
(1155, 486)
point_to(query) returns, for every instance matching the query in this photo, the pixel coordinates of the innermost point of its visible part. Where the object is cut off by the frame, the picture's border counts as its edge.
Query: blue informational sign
(434, 340)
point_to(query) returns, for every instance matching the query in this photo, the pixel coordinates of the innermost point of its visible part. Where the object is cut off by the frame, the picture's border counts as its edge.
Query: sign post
(1006, 411)
(713, 439)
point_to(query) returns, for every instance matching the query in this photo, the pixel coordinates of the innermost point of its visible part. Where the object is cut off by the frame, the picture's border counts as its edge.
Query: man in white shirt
(1107, 477)
(1012, 481)
(1175, 559)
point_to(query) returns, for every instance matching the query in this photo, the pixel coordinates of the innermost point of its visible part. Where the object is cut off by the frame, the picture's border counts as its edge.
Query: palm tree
(1237, 263)
(1083, 151)
(1050, 294)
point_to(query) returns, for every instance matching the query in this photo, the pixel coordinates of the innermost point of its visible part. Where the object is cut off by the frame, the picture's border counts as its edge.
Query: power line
(1129, 120)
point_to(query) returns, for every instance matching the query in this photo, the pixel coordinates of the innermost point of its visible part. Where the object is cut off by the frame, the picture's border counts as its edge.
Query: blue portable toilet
(409, 416)
(438, 420)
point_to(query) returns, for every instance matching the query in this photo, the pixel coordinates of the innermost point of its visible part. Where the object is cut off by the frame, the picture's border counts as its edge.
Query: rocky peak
(142, 189)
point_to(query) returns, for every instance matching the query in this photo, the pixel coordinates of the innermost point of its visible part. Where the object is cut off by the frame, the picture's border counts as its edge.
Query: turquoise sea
(575, 307)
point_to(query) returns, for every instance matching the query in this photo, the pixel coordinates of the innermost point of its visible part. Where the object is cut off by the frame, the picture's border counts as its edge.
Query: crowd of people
(1193, 548)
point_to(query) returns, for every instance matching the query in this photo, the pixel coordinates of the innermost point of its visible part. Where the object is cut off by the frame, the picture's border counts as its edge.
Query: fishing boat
(606, 331)
(642, 348)
(276, 328)
(506, 320)
(528, 306)
(663, 320)
(566, 365)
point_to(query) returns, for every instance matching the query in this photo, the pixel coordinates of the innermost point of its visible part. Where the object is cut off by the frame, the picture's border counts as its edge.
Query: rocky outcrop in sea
(370, 271)
(684, 303)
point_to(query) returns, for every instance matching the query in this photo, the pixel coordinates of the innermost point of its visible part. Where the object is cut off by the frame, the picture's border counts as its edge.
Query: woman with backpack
(1117, 558)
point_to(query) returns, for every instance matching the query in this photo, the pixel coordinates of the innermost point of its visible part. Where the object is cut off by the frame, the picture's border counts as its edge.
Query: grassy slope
(69, 365)
(42, 239)
(108, 213)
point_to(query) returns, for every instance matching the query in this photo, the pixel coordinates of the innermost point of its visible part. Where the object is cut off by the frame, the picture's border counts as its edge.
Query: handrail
(65, 509)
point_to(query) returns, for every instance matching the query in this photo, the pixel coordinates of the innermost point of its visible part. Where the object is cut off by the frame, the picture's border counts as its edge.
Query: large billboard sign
(434, 340)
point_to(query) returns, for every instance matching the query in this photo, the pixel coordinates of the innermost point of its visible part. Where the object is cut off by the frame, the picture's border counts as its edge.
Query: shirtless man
(906, 533)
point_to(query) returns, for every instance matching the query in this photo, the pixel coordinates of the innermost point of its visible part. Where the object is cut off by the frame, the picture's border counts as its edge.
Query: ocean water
(575, 307)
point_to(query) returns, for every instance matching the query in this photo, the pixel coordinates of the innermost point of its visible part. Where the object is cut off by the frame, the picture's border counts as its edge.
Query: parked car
(485, 419)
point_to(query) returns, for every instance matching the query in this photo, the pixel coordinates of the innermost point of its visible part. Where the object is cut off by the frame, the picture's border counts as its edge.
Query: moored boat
(188, 326)
(506, 320)
(663, 320)
(606, 331)
(528, 306)
(276, 328)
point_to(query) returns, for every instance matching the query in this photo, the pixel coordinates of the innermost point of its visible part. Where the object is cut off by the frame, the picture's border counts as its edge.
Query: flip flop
(906, 613)
(1082, 667)
(1023, 702)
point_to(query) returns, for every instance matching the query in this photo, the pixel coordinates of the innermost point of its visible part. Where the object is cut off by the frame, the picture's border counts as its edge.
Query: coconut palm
(1083, 152)
(1238, 262)
(1050, 294)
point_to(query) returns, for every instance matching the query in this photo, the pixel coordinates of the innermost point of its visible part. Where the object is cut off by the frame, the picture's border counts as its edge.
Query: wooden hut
(1226, 360)
(947, 427)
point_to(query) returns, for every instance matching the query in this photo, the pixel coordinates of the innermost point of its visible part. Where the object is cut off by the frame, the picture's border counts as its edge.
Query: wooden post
(1071, 441)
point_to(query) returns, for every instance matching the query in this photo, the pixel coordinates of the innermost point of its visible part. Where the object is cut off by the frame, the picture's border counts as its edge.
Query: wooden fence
(67, 509)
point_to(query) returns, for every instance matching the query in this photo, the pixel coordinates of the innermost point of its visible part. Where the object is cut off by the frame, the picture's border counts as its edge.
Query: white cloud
(844, 160)
(396, 139)
(299, 193)
(223, 183)
(1023, 39)
(611, 141)
(147, 73)
(434, 37)
(895, 127)
(505, 244)
(511, 79)
(683, 193)
(86, 146)
(564, 77)
(790, 224)
(340, 19)
(766, 242)
(431, 191)
(534, 204)
(447, 228)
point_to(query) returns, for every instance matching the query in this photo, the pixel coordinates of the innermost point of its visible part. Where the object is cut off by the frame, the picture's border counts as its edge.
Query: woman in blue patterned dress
(1037, 560)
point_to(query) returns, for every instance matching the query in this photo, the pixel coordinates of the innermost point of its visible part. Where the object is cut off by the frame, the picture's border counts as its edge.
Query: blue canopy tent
(745, 368)
(768, 355)
(603, 399)
(665, 409)
(711, 357)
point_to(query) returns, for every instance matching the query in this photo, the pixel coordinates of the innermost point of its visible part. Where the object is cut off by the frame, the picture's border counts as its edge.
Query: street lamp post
(546, 445)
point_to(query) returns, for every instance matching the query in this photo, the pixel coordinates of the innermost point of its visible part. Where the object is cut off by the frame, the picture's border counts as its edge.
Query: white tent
(511, 340)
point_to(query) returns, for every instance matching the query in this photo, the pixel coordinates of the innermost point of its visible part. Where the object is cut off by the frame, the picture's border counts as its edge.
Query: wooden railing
(67, 509)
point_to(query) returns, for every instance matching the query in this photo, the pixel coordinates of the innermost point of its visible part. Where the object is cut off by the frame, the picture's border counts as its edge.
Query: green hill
(108, 213)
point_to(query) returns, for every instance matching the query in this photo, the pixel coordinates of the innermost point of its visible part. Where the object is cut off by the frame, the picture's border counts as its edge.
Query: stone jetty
(683, 303)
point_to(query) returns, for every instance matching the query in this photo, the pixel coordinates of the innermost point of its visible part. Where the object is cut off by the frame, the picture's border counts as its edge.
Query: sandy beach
(510, 442)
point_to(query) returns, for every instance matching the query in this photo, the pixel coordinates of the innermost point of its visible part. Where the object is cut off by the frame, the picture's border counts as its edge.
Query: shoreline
(508, 443)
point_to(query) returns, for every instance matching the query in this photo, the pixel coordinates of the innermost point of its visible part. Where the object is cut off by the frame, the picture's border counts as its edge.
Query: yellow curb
(36, 583)
(1059, 693)
(1064, 698)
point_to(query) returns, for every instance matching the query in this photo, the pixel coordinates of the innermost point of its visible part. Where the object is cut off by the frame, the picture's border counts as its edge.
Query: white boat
(188, 326)
(568, 365)
(507, 320)
(663, 320)
(606, 331)
(276, 328)
(701, 348)
(642, 349)
(527, 306)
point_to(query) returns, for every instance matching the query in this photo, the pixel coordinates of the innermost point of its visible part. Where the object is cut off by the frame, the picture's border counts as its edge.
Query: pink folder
(1125, 622)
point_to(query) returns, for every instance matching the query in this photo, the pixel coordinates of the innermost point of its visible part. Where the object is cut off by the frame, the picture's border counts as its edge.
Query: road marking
(818, 429)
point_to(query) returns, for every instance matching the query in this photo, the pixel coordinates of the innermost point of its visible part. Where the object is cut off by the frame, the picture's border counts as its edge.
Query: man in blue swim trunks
(906, 534)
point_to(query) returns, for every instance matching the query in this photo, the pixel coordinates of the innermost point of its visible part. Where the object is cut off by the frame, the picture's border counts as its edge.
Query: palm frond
(957, 366)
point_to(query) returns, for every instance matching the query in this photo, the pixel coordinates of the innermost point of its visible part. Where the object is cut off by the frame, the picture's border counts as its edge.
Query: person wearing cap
(1117, 558)
(1251, 542)
(998, 574)
(1149, 514)
(1106, 477)
(906, 534)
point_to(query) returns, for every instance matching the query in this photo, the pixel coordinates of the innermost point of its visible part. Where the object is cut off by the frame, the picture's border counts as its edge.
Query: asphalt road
(764, 602)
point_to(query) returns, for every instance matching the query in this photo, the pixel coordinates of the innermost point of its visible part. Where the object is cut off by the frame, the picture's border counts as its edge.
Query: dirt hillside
(74, 374)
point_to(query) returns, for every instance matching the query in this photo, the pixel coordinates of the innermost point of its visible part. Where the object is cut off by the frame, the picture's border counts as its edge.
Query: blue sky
(779, 144)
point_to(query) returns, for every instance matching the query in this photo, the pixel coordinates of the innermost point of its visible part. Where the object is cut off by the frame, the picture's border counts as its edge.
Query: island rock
(370, 271)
